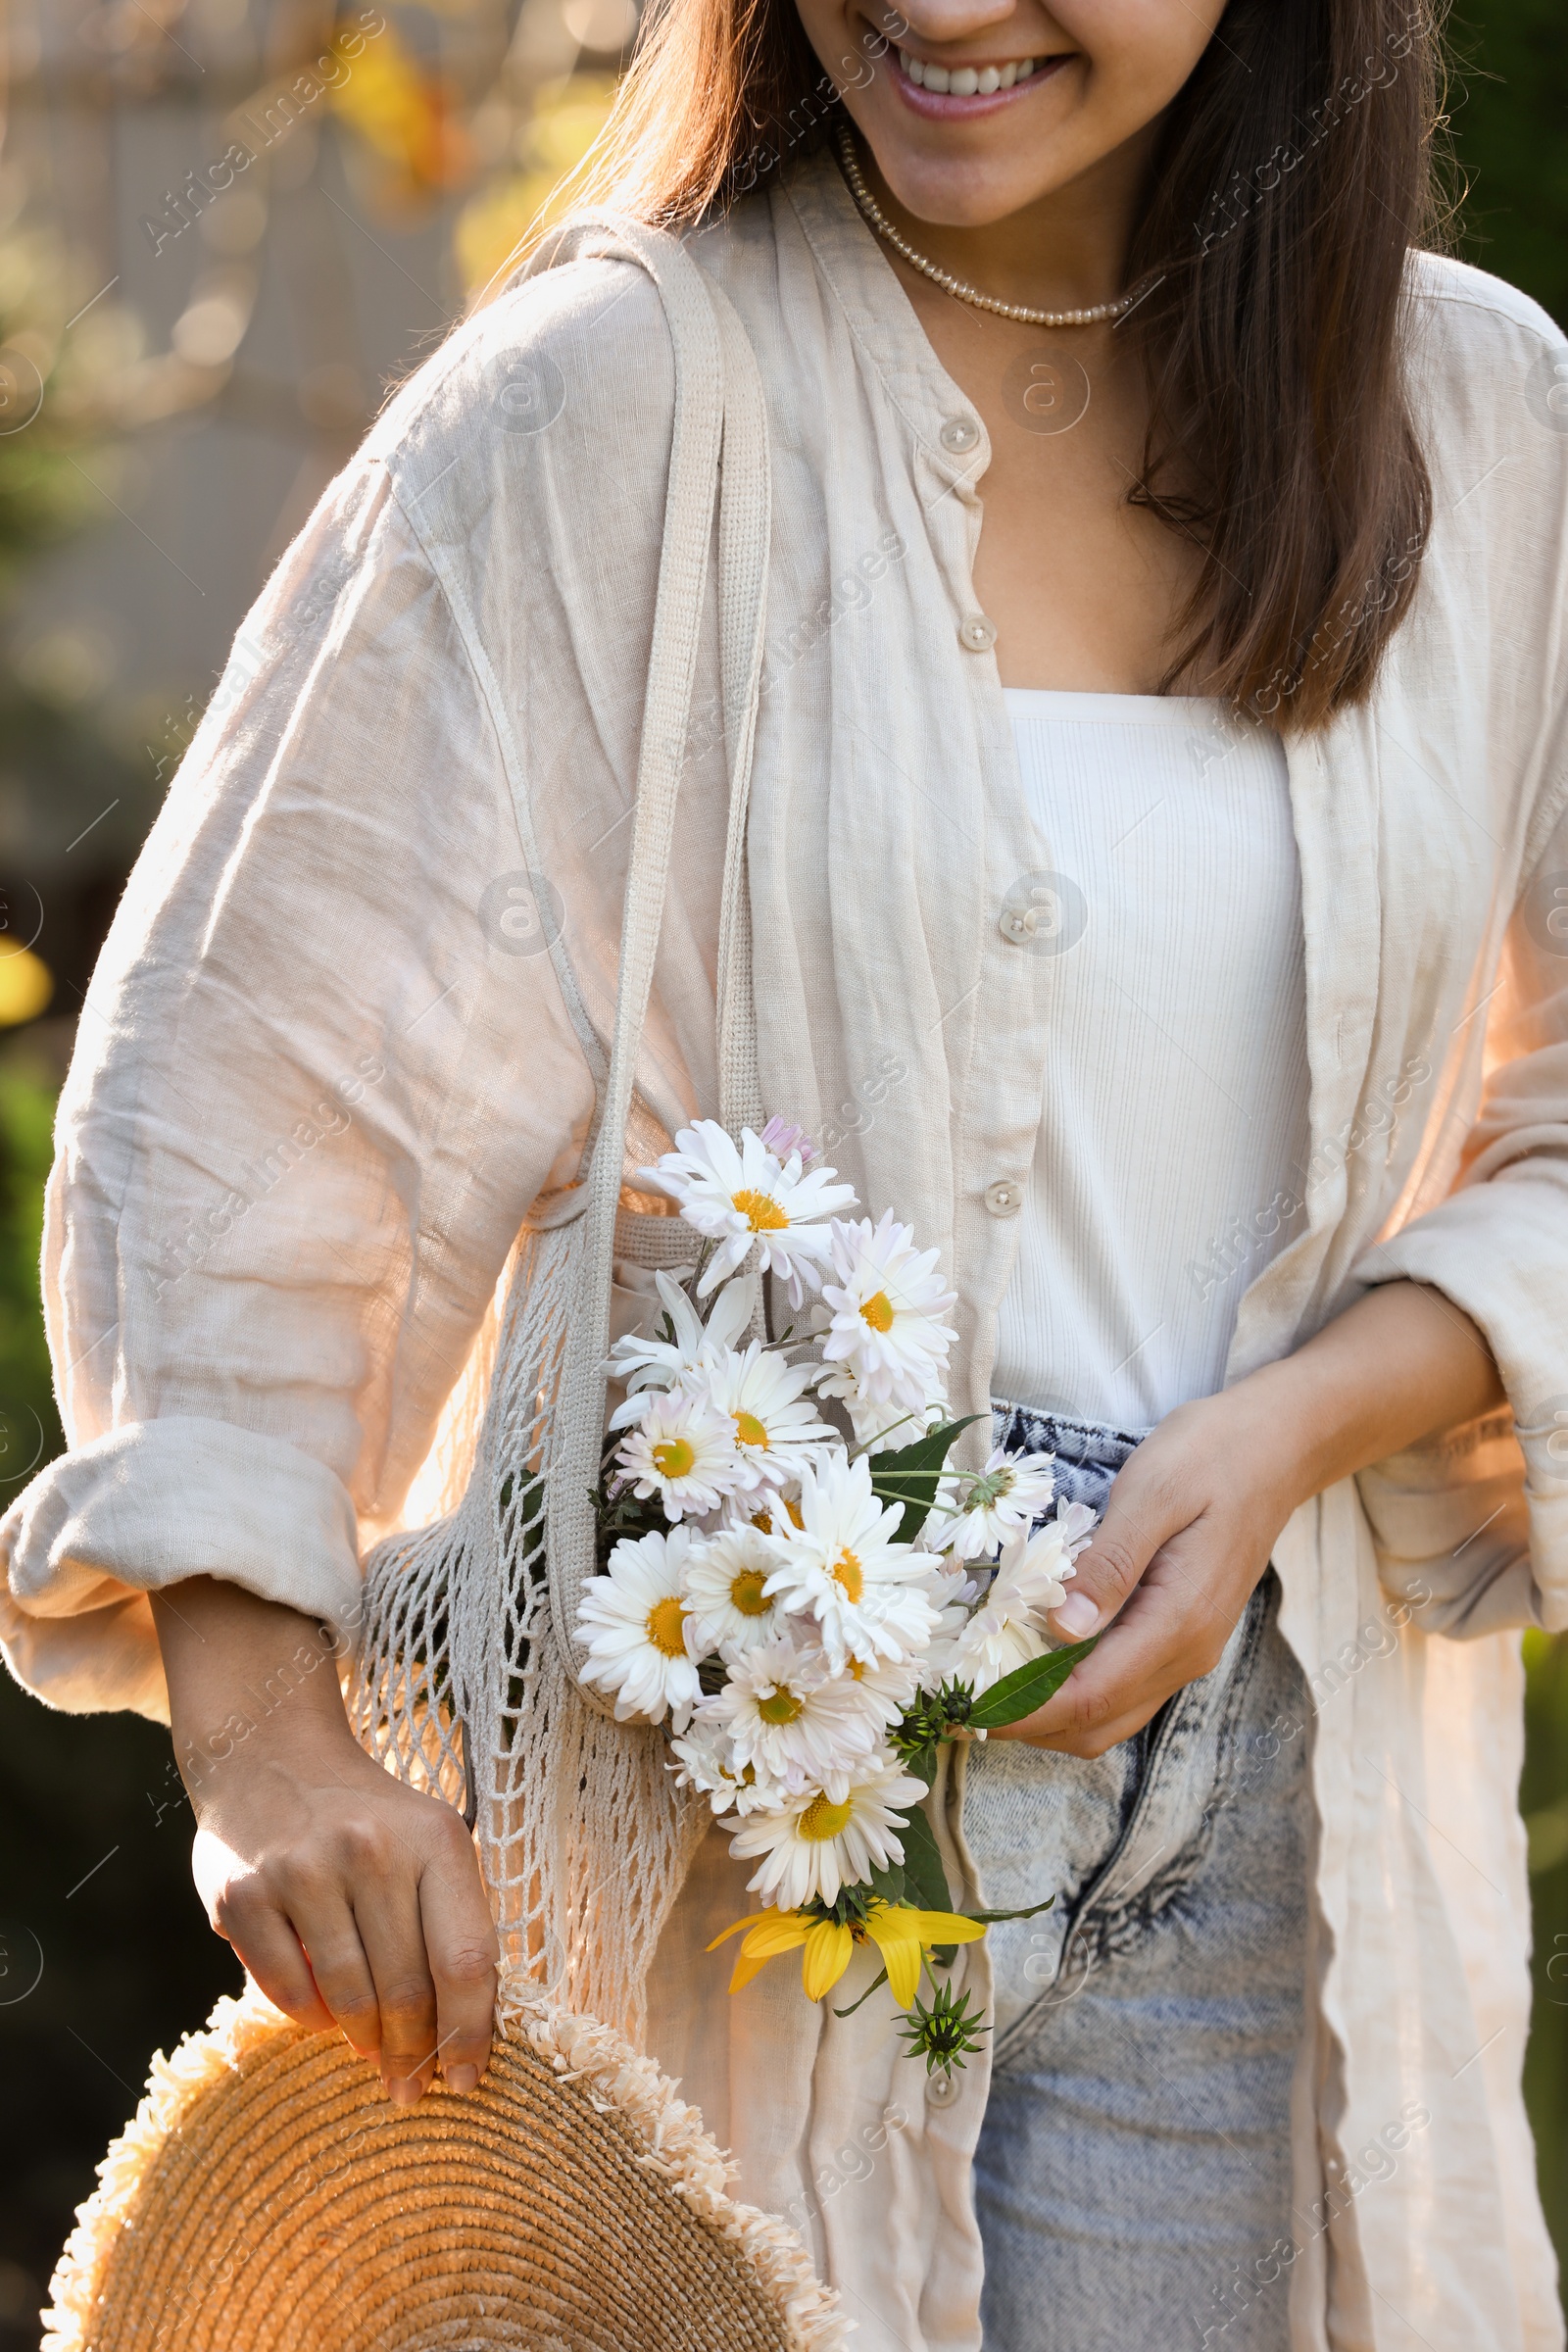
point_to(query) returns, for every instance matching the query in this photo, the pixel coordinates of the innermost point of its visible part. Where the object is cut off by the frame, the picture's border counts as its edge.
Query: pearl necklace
(874, 216)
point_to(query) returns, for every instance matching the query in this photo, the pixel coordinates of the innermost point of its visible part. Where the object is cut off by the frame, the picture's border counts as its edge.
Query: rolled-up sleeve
(321, 1076)
(1454, 1521)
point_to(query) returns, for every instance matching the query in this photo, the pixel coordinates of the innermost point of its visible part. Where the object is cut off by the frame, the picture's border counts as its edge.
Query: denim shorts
(1133, 2174)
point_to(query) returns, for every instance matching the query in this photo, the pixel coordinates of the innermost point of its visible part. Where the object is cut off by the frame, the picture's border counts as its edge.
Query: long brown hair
(1296, 170)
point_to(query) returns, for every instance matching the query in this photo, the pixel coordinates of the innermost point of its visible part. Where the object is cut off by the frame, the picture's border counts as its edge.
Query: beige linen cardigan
(340, 1041)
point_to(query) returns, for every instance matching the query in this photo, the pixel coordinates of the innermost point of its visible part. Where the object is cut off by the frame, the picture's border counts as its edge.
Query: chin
(967, 182)
(953, 195)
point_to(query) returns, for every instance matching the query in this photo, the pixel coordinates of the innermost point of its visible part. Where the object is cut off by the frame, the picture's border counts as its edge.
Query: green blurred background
(168, 411)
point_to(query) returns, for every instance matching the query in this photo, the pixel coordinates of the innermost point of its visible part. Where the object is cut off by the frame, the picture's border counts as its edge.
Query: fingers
(244, 1915)
(322, 1918)
(430, 1947)
(1168, 1634)
(460, 1941)
(1168, 1573)
(1133, 1681)
(386, 1913)
(1143, 1510)
(321, 1937)
(1082, 1715)
(370, 1917)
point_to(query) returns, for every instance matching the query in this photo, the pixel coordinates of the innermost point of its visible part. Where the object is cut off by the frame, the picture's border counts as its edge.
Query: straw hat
(268, 2198)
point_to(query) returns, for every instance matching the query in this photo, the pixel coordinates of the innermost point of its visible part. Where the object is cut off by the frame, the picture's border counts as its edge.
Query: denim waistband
(1088, 1453)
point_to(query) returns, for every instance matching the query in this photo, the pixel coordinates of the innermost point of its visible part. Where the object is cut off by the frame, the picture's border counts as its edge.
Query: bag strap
(745, 527)
(718, 416)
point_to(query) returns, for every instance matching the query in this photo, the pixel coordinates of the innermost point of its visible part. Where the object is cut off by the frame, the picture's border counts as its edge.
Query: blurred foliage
(567, 116)
(405, 119)
(75, 374)
(42, 496)
(1509, 110)
(64, 406)
(1543, 1800)
(30, 1426)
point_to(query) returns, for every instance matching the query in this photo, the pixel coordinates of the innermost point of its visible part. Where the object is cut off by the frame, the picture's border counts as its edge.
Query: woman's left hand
(1193, 1519)
(1187, 1532)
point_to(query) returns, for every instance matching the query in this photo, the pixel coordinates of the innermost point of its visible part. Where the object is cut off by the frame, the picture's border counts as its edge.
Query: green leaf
(1027, 1688)
(991, 1917)
(944, 1955)
(925, 1882)
(866, 1995)
(910, 1474)
(888, 1884)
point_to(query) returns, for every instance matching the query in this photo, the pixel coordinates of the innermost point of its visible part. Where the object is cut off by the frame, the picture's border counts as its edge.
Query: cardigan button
(1044, 914)
(942, 2088)
(958, 434)
(1004, 1198)
(977, 635)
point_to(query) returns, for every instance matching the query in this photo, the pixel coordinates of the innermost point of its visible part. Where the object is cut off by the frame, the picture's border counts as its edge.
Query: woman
(1154, 849)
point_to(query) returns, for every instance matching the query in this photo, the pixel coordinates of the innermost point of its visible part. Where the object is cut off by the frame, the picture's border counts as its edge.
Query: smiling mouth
(971, 81)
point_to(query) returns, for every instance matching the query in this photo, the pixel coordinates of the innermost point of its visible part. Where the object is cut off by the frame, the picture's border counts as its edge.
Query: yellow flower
(901, 1933)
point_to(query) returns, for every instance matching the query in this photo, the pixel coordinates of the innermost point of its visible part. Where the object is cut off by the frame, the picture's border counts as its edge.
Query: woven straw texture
(268, 2198)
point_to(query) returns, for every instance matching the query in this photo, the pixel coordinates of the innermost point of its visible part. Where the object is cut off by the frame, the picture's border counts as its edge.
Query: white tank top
(1171, 1155)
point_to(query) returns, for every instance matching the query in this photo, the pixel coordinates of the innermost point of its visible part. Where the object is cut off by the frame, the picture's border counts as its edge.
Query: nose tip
(940, 20)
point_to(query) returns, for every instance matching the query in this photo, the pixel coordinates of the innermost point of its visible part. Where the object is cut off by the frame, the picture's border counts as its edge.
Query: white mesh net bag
(465, 1681)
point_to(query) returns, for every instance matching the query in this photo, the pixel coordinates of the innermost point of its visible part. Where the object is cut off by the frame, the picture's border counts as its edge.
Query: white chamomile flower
(790, 1716)
(772, 1514)
(651, 1362)
(885, 1342)
(1075, 1523)
(634, 1621)
(893, 1682)
(884, 1428)
(826, 1839)
(954, 1595)
(777, 1429)
(725, 1578)
(683, 1451)
(1008, 1628)
(706, 1761)
(746, 1199)
(1010, 1493)
(844, 1566)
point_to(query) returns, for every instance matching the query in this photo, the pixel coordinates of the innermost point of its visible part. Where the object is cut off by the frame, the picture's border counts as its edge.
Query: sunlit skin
(355, 1899)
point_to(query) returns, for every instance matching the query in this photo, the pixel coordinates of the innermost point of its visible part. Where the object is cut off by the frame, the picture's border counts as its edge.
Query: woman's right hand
(351, 1899)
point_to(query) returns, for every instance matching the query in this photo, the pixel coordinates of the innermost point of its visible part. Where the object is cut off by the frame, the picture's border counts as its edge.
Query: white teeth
(966, 81)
